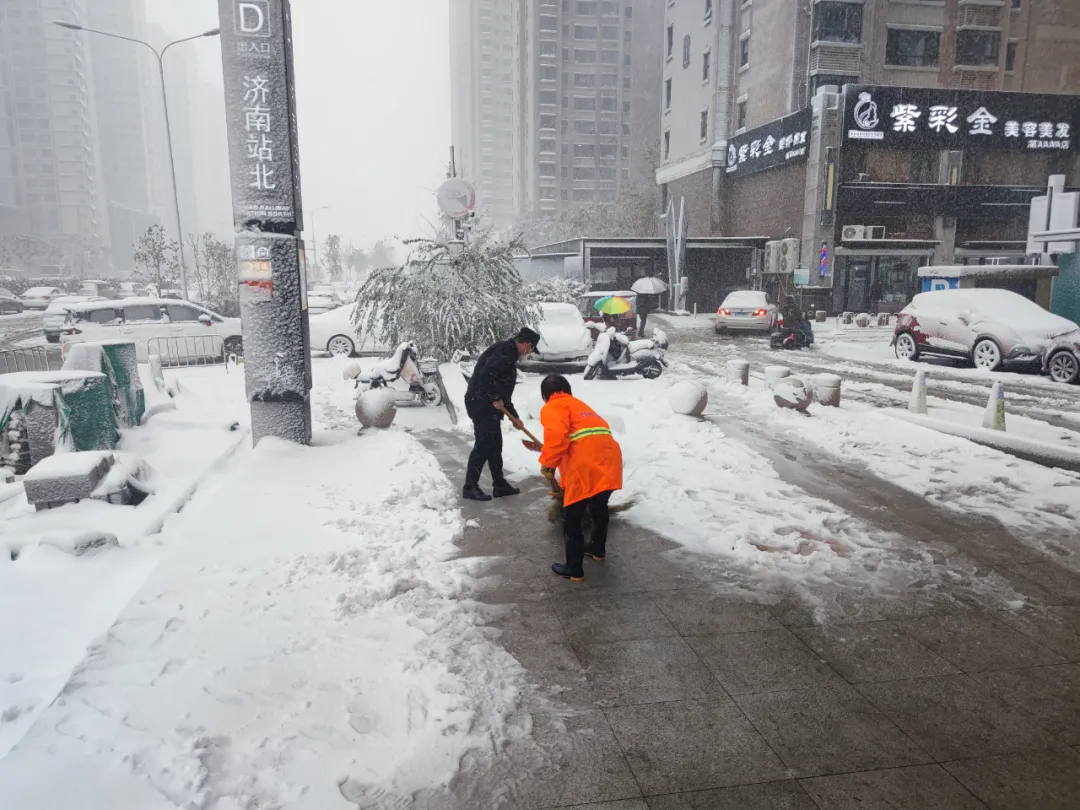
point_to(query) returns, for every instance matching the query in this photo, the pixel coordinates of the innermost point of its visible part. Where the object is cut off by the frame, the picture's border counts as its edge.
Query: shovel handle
(524, 429)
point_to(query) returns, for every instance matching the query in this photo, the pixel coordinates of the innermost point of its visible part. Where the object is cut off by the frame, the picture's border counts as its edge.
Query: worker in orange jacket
(579, 444)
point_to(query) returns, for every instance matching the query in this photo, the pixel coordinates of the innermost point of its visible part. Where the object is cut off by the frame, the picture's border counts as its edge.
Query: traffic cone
(994, 417)
(917, 403)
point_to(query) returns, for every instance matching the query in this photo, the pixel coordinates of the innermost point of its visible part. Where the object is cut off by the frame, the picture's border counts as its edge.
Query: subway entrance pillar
(260, 112)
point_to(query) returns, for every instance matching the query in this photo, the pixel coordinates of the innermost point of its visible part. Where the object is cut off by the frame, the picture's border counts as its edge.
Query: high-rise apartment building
(483, 45)
(555, 102)
(50, 176)
(954, 117)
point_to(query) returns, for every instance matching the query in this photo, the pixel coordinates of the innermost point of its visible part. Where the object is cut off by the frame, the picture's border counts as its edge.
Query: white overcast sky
(373, 101)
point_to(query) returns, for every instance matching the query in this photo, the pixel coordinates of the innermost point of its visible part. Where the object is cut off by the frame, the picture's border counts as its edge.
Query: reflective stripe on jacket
(579, 444)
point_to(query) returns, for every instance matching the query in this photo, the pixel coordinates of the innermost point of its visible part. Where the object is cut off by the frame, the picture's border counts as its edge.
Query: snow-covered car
(39, 297)
(746, 310)
(991, 328)
(177, 331)
(1061, 360)
(327, 290)
(9, 302)
(132, 289)
(564, 337)
(334, 333)
(56, 314)
(96, 289)
(319, 303)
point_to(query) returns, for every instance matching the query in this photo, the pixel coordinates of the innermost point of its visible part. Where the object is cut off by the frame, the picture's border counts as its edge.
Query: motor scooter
(413, 380)
(616, 355)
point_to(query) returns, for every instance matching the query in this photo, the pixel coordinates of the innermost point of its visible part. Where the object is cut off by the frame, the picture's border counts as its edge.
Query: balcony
(978, 17)
(835, 58)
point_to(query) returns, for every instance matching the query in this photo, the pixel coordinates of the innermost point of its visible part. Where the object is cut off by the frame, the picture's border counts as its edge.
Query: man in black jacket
(491, 388)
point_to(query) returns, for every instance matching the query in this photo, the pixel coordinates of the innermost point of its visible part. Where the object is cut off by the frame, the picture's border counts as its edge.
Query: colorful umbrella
(613, 305)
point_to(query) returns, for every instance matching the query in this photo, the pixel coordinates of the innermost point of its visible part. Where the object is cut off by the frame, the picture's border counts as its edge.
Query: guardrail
(34, 358)
(188, 350)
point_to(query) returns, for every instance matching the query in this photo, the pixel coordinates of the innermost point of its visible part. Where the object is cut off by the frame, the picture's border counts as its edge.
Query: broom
(555, 510)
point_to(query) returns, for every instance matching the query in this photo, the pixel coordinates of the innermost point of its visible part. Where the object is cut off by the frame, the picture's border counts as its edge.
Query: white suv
(177, 331)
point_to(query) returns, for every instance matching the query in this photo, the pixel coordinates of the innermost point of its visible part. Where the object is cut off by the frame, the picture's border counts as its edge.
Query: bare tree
(332, 256)
(157, 258)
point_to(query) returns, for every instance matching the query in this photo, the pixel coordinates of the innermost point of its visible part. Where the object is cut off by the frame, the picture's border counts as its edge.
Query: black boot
(503, 488)
(472, 492)
(560, 570)
(597, 554)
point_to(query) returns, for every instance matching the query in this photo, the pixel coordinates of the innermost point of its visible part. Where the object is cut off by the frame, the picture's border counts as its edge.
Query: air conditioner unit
(853, 233)
(874, 232)
(789, 255)
(772, 257)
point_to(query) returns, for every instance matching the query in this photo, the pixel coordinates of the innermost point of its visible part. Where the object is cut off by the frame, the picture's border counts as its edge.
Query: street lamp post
(160, 55)
(315, 242)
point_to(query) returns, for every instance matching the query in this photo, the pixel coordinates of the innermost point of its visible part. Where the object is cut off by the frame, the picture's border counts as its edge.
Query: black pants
(575, 540)
(644, 317)
(487, 449)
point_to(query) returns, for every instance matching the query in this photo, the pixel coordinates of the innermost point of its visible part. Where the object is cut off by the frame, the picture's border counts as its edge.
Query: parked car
(57, 311)
(178, 330)
(134, 289)
(746, 310)
(327, 290)
(39, 297)
(564, 337)
(334, 333)
(991, 328)
(319, 303)
(9, 302)
(97, 289)
(1061, 360)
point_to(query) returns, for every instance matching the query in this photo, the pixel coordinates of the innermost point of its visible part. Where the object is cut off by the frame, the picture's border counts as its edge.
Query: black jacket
(493, 378)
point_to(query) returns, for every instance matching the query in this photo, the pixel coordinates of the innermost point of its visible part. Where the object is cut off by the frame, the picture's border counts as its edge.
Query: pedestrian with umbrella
(648, 290)
(488, 397)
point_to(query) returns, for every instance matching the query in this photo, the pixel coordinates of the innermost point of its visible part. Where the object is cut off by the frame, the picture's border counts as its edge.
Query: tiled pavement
(662, 684)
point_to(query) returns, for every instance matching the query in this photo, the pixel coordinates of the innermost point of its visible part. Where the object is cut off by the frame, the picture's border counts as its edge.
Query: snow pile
(305, 640)
(688, 397)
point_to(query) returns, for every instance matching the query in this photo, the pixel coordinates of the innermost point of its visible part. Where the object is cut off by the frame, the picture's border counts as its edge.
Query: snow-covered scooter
(616, 355)
(403, 367)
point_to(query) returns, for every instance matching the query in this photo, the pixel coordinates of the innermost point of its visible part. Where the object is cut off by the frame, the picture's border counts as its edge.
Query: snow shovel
(535, 445)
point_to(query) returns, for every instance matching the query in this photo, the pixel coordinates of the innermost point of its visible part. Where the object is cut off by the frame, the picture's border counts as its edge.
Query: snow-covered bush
(446, 297)
(556, 290)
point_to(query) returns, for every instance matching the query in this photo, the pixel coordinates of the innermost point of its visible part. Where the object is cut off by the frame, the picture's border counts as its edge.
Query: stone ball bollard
(793, 393)
(863, 320)
(688, 398)
(827, 389)
(847, 318)
(820, 315)
(738, 371)
(883, 319)
(376, 408)
(773, 374)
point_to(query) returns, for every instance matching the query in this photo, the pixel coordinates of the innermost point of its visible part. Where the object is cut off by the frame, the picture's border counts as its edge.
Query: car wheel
(986, 355)
(52, 338)
(234, 345)
(906, 348)
(340, 346)
(1064, 367)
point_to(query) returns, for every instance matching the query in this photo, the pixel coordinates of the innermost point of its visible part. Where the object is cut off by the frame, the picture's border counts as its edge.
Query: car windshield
(744, 299)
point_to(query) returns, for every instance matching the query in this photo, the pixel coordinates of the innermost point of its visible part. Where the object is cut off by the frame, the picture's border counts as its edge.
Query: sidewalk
(662, 684)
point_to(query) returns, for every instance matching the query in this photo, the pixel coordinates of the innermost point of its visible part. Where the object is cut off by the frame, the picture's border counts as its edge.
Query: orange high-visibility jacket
(579, 444)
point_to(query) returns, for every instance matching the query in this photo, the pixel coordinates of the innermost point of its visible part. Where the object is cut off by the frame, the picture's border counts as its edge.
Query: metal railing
(35, 358)
(188, 350)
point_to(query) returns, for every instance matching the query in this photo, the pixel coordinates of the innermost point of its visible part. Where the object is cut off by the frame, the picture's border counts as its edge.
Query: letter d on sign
(252, 18)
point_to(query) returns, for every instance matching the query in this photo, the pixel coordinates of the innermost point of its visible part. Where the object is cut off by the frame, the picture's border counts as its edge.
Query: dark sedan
(9, 302)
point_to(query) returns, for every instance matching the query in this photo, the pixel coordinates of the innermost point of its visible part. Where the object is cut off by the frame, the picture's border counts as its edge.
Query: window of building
(584, 102)
(584, 150)
(744, 50)
(586, 8)
(1016, 4)
(838, 22)
(582, 57)
(609, 57)
(583, 195)
(1010, 56)
(626, 83)
(584, 173)
(547, 193)
(549, 23)
(585, 127)
(548, 73)
(740, 115)
(609, 9)
(626, 60)
(584, 80)
(609, 79)
(584, 32)
(629, 12)
(547, 170)
(686, 51)
(706, 66)
(547, 121)
(704, 123)
(625, 152)
(670, 41)
(977, 47)
(628, 37)
(626, 128)
(609, 32)
(912, 48)
(564, 195)
(667, 94)
(836, 79)
(609, 104)
(607, 150)
(547, 146)
(549, 97)
(924, 167)
(548, 48)
(667, 144)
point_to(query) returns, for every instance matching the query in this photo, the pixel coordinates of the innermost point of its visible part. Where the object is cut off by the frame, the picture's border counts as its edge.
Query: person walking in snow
(491, 388)
(579, 444)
